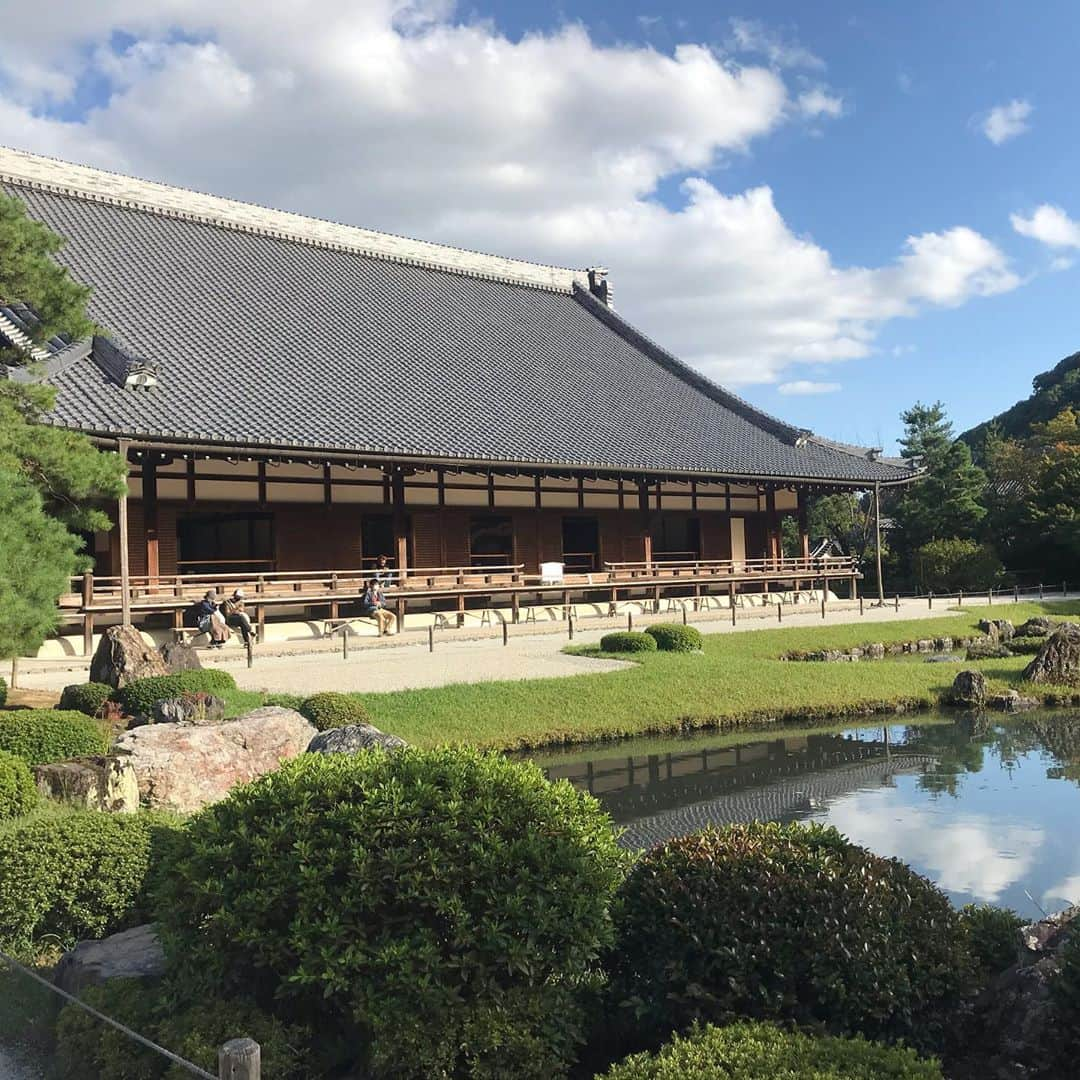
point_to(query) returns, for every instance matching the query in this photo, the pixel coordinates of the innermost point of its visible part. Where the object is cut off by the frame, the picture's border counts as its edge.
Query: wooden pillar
(401, 539)
(804, 526)
(877, 544)
(88, 617)
(773, 525)
(646, 532)
(150, 519)
(125, 558)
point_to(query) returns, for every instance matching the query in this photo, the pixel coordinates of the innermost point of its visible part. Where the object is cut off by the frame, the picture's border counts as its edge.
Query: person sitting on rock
(235, 615)
(373, 606)
(211, 620)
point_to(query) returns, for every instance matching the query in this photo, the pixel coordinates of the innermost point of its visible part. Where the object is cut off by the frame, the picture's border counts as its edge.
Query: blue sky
(751, 176)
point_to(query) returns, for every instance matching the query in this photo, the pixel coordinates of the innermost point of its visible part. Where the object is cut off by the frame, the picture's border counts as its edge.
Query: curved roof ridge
(82, 181)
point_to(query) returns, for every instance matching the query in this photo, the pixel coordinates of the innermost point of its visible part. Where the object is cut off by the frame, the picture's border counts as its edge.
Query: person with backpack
(210, 620)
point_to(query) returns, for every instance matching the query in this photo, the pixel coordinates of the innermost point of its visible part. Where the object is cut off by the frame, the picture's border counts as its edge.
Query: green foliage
(787, 923)
(674, 637)
(29, 276)
(88, 698)
(18, 795)
(748, 1051)
(40, 736)
(331, 710)
(87, 1049)
(77, 874)
(992, 935)
(139, 697)
(949, 566)
(3, 691)
(1025, 646)
(437, 908)
(628, 641)
(285, 701)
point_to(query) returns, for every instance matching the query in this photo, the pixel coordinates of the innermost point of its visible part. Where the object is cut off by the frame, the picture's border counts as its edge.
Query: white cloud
(819, 102)
(752, 36)
(1004, 122)
(1050, 225)
(806, 386)
(1067, 890)
(407, 118)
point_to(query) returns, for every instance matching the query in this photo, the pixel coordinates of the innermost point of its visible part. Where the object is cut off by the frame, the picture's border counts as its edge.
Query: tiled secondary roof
(259, 333)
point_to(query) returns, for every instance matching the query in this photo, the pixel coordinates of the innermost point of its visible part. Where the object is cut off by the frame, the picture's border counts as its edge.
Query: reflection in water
(988, 808)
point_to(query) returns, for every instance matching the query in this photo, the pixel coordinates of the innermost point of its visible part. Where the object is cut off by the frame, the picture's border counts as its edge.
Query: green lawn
(737, 680)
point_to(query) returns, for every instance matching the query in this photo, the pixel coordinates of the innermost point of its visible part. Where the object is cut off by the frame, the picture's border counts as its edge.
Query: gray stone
(123, 656)
(925, 645)
(180, 656)
(986, 650)
(1039, 626)
(133, 954)
(875, 651)
(1058, 661)
(348, 740)
(198, 708)
(1011, 701)
(184, 767)
(968, 690)
(94, 783)
(943, 644)
(947, 659)
(998, 629)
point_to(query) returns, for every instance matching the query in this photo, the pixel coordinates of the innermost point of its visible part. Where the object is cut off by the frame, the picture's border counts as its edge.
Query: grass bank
(738, 680)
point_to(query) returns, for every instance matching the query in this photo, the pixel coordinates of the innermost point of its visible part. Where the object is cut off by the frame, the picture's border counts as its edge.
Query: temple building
(296, 397)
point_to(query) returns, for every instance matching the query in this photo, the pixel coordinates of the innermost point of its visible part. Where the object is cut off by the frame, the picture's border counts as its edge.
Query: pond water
(989, 808)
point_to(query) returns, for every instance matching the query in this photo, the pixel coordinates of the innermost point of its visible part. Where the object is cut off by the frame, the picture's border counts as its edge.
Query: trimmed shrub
(947, 566)
(40, 736)
(792, 922)
(987, 650)
(80, 874)
(993, 938)
(139, 697)
(1025, 646)
(18, 795)
(749, 1051)
(87, 1049)
(440, 906)
(674, 637)
(332, 710)
(89, 698)
(628, 641)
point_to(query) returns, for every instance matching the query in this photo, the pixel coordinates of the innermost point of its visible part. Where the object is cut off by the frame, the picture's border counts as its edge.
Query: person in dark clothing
(211, 621)
(235, 615)
(373, 606)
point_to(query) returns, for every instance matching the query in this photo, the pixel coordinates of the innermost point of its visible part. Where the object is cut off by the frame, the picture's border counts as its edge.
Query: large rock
(123, 656)
(1039, 626)
(95, 783)
(1014, 1026)
(998, 629)
(348, 740)
(968, 690)
(184, 767)
(987, 650)
(180, 656)
(133, 954)
(198, 708)
(1058, 661)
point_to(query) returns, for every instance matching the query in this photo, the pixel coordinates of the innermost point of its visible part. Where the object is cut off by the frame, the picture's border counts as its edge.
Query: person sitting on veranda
(384, 573)
(373, 606)
(211, 621)
(235, 615)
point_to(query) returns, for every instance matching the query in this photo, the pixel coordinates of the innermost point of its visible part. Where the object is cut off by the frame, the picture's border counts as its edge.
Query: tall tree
(52, 481)
(948, 502)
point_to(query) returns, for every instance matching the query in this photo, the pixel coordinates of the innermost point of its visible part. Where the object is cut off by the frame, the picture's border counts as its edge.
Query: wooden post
(930, 600)
(150, 520)
(1040, 590)
(897, 601)
(629, 621)
(780, 611)
(804, 526)
(570, 625)
(646, 532)
(431, 638)
(14, 673)
(506, 632)
(775, 549)
(515, 607)
(1016, 594)
(860, 605)
(88, 618)
(240, 1059)
(401, 539)
(345, 642)
(684, 613)
(877, 544)
(125, 561)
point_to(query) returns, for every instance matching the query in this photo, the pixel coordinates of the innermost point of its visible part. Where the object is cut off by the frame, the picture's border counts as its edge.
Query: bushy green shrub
(674, 637)
(628, 641)
(987, 650)
(792, 922)
(77, 874)
(87, 1049)
(993, 937)
(948, 566)
(40, 736)
(331, 710)
(18, 795)
(139, 697)
(89, 698)
(442, 904)
(749, 1051)
(1025, 646)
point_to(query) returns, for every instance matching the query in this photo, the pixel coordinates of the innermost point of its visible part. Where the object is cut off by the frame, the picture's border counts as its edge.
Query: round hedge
(139, 698)
(77, 874)
(674, 637)
(40, 736)
(89, 698)
(18, 795)
(755, 1051)
(87, 1049)
(793, 922)
(332, 710)
(446, 903)
(629, 641)
(993, 937)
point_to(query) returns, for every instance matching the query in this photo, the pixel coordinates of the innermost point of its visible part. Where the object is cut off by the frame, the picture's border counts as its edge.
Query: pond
(989, 808)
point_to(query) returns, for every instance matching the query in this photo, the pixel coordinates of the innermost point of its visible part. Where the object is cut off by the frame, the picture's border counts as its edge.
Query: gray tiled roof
(260, 339)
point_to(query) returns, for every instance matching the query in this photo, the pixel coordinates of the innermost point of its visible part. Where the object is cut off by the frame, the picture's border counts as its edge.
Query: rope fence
(238, 1059)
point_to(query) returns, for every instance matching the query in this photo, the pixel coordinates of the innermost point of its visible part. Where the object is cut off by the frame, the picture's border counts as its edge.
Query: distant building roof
(234, 324)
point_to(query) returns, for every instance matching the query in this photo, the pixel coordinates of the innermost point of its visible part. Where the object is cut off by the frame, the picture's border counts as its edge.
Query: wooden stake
(431, 638)
(506, 632)
(240, 1059)
(629, 622)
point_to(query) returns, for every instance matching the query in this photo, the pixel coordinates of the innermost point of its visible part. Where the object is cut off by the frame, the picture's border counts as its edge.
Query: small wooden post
(629, 621)
(990, 597)
(345, 642)
(240, 1059)
(506, 632)
(88, 618)
(570, 624)
(1016, 594)
(860, 605)
(930, 600)
(515, 607)
(14, 673)
(960, 598)
(1040, 590)
(897, 601)
(780, 612)
(431, 638)
(248, 646)
(684, 614)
